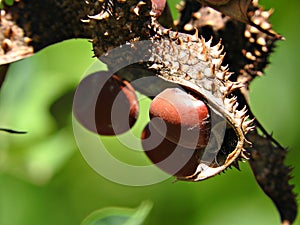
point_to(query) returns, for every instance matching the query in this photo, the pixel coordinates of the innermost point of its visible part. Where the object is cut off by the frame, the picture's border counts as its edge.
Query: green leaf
(9, 2)
(119, 216)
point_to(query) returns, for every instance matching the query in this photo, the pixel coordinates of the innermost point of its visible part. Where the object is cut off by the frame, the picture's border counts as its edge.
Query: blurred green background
(44, 179)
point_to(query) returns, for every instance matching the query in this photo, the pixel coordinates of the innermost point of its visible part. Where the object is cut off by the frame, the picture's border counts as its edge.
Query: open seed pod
(196, 66)
(179, 138)
(178, 132)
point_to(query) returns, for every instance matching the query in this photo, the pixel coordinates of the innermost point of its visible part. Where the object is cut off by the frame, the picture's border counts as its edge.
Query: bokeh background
(45, 180)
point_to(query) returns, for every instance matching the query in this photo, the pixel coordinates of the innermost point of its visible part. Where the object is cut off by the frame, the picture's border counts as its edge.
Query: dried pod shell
(195, 65)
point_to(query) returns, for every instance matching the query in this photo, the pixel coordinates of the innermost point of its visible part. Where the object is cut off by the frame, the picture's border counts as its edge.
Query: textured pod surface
(14, 43)
(241, 41)
(116, 22)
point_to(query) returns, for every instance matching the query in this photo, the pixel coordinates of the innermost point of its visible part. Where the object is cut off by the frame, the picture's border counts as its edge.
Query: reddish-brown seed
(105, 105)
(168, 156)
(181, 118)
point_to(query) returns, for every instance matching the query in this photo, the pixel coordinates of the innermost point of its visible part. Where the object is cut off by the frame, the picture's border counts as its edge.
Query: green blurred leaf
(118, 216)
(9, 2)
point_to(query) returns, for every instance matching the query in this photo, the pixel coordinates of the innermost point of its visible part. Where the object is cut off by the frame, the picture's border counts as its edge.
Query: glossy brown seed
(186, 118)
(168, 156)
(105, 105)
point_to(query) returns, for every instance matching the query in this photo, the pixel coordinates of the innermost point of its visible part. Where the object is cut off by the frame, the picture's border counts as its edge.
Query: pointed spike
(220, 75)
(85, 20)
(228, 75)
(196, 34)
(235, 106)
(219, 44)
(245, 154)
(219, 51)
(180, 41)
(224, 91)
(240, 113)
(166, 31)
(208, 43)
(174, 35)
(136, 10)
(247, 125)
(248, 143)
(141, 3)
(236, 165)
(100, 16)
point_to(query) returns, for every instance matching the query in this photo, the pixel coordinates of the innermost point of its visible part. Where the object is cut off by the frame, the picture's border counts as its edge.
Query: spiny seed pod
(116, 22)
(105, 105)
(181, 118)
(247, 48)
(246, 43)
(195, 65)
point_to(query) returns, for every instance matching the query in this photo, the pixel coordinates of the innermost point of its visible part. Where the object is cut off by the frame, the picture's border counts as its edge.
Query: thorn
(246, 125)
(196, 34)
(141, 3)
(243, 154)
(174, 35)
(217, 62)
(219, 52)
(235, 106)
(180, 41)
(229, 103)
(166, 31)
(203, 51)
(152, 14)
(220, 75)
(261, 41)
(136, 10)
(227, 75)
(219, 44)
(236, 165)
(100, 16)
(248, 129)
(85, 20)
(248, 142)
(155, 66)
(241, 113)
(208, 43)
